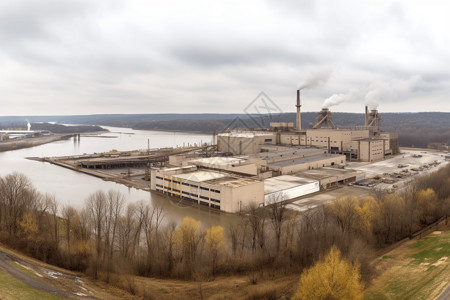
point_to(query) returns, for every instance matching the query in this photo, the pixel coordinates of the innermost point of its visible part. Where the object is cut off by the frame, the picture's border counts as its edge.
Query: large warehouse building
(210, 188)
(231, 184)
(362, 143)
(274, 164)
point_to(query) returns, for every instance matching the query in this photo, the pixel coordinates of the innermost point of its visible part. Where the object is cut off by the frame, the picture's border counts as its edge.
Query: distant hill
(57, 128)
(415, 129)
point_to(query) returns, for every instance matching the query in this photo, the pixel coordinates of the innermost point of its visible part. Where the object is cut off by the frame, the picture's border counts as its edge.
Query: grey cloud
(236, 53)
(95, 52)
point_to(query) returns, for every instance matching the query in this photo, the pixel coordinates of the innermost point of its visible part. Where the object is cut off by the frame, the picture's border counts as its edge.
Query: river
(73, 188)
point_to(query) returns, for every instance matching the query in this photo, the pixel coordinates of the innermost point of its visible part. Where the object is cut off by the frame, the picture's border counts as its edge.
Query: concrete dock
(130, 168)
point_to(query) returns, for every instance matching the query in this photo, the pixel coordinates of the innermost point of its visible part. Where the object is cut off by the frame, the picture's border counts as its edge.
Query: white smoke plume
(28, 124)
(315, 79)
(390, 91)
(336, 99)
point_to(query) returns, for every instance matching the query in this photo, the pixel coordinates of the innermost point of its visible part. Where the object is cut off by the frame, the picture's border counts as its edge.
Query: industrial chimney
(299, 120)
(324, 119)
(366, 116)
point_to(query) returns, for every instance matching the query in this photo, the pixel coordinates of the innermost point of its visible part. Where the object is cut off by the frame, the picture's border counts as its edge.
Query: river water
(73, 188)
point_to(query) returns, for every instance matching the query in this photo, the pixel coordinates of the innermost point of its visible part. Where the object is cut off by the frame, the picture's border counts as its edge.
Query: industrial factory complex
(261, 166)
(279, 163)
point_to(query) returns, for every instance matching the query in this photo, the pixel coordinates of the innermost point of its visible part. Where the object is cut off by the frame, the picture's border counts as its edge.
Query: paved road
(27, 279)
(445, 294)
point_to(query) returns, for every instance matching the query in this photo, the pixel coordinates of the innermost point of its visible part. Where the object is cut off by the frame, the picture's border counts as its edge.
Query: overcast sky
(132, 56)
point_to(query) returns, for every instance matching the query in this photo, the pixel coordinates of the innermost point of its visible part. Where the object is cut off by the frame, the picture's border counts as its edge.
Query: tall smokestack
(366, 115)
(299, 120)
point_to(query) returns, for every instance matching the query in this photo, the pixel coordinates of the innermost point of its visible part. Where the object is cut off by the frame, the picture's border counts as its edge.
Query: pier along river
(73, 188)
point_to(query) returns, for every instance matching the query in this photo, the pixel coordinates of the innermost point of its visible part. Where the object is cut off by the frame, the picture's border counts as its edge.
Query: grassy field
(415, 270)
(12, 288)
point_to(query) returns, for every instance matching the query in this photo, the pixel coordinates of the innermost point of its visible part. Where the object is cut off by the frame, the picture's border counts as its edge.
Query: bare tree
(277, 213)
(344, 211)
(69, 214)
(167, 247)
(139, 218)
(16, 195)
(126, 228)
(233, 231)
(96, 206)
(53, 205)
(446, 209)
(255, 217)
(115, 202)
(152, 217)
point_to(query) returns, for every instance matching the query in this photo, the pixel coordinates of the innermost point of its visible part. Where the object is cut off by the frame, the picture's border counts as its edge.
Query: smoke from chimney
(28, 124)
(336, 99)
(391, 90)
(314, 79)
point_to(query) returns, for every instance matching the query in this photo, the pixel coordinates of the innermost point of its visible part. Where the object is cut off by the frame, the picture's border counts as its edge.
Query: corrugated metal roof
(280, 183)
(199, 176)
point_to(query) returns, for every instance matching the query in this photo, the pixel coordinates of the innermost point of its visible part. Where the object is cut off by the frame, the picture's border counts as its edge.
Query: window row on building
(189, 196)
(187, 184)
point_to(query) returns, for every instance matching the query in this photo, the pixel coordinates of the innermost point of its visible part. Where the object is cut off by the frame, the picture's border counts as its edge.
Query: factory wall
(392, 138)
(241, 144)
(334, 180)
(225, 197)
(284, 155)
(337, 140)
(292, 138)
(325, 162)
(238, 167)
(239, 198)
(371, 150)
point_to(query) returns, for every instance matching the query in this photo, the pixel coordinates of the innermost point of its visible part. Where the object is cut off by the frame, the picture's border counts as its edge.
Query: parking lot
(389, 174)
(400, 169)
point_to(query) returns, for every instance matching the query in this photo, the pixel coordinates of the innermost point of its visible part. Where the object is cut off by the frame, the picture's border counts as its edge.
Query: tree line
(55, 128)
(109, 237)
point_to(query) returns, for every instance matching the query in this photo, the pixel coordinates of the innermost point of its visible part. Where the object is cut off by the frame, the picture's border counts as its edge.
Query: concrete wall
(292, 138)
(263, 160)
(231, 198)
(325, 162)
(241, 144)
(239, 167)
(241, 197)
(177, 160)
(371, 150)
(333, 180)
(392, 138)
(340, 140)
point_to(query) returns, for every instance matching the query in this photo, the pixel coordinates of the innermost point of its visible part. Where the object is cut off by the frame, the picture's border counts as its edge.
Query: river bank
(31, 142)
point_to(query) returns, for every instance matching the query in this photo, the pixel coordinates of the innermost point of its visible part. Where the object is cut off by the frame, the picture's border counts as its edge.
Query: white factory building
(282, 162)
(231, 184)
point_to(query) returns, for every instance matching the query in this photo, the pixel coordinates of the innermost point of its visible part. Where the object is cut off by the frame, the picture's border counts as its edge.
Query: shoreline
(11, 145)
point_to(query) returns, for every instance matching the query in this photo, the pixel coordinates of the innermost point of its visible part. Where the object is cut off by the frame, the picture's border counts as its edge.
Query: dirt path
(54, 280)
(26, 278)
(445, 294)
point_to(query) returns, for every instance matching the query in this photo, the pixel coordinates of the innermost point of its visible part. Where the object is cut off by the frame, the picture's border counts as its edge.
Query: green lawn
(12, 288)
(422, 271)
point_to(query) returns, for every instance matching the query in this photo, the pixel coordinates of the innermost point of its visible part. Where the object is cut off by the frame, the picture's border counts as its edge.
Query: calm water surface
(70, 187)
